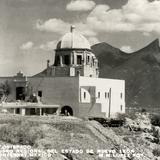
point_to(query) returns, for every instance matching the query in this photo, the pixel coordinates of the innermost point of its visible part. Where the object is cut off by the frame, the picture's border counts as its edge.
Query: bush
(143, 110)
(25, 133)
(68, 155)
(121, 116)
(156, 152)
(155, 120)
(131, 115)
(155, 132)
(126, 139)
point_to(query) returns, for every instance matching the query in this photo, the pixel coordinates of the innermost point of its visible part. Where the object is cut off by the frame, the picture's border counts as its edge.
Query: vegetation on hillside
(55, 132)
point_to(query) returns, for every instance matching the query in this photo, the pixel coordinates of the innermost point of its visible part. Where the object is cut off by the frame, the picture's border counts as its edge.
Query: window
(66, 59)
(121, 95)
(93, 62)
(17, 110)
(79, 59)
(88, 59)
(105, 94)
(121, 107)
(40, 93)
(84, 95)
(99, 95)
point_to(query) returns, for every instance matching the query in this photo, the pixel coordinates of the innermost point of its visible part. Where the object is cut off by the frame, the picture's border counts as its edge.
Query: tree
(5, 87)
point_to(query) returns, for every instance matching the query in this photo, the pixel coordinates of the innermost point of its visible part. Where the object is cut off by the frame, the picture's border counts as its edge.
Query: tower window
(121, 95)
(79, 59)
(99, 94)
(88, 59)
(40, 93)
(66, 59)
(84, 95)
(105, 94)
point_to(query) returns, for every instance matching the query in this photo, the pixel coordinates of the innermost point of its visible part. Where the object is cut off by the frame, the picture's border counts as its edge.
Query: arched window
(99, 94)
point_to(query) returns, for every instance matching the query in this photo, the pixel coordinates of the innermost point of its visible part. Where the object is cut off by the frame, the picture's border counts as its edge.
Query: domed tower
(73, 56)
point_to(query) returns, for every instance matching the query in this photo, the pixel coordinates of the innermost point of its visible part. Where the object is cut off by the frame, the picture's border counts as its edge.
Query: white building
(71, 85)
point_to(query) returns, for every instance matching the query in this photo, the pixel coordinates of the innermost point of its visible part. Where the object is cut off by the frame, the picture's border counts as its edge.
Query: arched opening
(67, 111)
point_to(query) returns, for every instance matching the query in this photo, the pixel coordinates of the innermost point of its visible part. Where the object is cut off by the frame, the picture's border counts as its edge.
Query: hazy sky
(30, 29)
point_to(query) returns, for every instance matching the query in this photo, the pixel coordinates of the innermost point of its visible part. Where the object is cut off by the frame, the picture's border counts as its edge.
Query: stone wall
(57, 90)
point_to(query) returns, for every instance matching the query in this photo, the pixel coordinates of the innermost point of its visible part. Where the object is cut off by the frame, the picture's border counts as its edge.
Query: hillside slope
(62, 133)
(140, 70)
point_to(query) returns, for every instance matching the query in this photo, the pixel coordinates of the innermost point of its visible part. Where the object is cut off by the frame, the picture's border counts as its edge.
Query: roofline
(65, 49)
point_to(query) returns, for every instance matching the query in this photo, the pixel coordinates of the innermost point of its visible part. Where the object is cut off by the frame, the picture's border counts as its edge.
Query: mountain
(140, 70)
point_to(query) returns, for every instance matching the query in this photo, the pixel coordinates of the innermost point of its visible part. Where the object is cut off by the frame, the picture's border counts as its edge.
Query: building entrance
(67, 111)
(20, 93)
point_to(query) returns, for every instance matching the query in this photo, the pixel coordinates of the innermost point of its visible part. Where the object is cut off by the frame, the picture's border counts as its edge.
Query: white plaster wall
(104, 85)
(86, 99)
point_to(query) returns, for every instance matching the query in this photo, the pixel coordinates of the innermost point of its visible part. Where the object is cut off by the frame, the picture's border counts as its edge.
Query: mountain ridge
(140, 70)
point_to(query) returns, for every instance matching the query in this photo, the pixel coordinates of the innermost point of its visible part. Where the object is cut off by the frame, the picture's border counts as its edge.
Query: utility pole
(109, 112)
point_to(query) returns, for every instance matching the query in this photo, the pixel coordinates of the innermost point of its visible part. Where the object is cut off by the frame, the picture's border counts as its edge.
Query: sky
(30, 29)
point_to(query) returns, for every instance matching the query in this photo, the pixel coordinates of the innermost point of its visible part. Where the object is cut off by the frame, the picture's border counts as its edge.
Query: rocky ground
(70, 138)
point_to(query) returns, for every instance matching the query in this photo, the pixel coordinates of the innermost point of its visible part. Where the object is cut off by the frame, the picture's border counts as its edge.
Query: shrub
(25, 133)
(121, 116)
(155, 120)
(68, 155)
(155, 132)
(126, 139)
(143, 110)
(5, 87)
(156, 152)
(131, 115)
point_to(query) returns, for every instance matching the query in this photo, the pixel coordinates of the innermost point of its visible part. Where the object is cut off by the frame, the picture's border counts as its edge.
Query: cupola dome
(73, 40)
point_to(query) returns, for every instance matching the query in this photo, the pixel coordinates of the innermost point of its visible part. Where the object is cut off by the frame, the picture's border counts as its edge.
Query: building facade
(70, 86)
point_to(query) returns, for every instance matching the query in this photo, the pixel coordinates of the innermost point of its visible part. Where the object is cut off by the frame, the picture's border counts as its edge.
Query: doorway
(79, 59)
(66, 59)
(67, 111)
(20, 93)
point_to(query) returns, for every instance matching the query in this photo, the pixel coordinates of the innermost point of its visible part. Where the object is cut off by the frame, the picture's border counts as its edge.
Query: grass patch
(24, 133)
